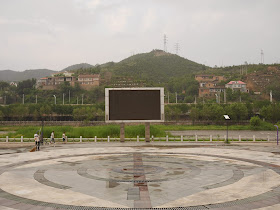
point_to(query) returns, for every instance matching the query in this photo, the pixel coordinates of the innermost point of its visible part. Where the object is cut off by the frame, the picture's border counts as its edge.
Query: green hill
(78, 66)
(15, 76)
(156, 65)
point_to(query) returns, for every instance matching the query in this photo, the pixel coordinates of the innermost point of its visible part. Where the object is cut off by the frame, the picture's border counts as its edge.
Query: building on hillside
(13, 84)
(237, 85)
(209, 78)
(209, 92)
(52, 83)
(88, 81)
(209, 85)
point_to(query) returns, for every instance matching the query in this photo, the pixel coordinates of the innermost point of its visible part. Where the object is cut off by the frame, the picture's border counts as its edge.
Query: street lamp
(54, 99)
(227, 118)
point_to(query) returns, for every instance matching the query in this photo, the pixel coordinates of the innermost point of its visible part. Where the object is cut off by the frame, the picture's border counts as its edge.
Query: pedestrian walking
(52, 137)
(63, 137)
(37, 142)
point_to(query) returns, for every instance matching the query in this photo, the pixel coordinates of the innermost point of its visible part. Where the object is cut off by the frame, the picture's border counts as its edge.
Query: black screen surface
(134, 105)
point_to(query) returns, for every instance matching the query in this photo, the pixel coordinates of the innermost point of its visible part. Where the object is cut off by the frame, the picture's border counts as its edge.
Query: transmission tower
(177, 48)
(262, 56)
(165, 43)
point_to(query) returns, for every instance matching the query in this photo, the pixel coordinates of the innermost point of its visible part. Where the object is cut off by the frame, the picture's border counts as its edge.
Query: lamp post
(277, 132)
(63, 99)
(54, 99)
(227, 118)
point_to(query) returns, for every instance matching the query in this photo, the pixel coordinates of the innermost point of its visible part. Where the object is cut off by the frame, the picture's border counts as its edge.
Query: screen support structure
(122, 133)
(147, 132)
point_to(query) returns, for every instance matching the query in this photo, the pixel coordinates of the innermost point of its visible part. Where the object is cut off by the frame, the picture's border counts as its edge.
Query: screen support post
(122, 134)
(147, 132)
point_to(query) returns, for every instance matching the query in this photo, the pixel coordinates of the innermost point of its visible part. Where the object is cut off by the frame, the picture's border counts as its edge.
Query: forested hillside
(157, 66)
(15, 76)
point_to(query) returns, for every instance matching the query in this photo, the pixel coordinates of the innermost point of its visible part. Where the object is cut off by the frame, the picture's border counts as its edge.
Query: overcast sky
(54, 34)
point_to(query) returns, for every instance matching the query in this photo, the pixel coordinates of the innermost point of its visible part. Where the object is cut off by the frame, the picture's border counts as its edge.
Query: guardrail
(195, 138)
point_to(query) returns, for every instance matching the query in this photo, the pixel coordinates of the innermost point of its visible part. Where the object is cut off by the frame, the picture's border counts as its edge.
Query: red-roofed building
(237, 85)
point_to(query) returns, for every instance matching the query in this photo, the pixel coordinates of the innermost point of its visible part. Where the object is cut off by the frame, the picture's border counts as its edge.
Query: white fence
(195, 138)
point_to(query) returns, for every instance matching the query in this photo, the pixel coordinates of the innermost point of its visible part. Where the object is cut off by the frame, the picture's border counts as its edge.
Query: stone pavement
(131, 175)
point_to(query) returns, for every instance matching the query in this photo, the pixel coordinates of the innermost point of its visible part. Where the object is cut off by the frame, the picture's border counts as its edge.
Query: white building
(237, 85)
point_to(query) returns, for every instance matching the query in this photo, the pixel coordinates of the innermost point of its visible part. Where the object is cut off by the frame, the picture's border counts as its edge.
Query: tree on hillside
(25, 86)
(3, 85)
(237, 111)
(271, 112)
(195, 113)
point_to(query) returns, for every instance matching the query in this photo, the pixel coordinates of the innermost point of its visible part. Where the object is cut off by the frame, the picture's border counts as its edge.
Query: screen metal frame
(107, 105)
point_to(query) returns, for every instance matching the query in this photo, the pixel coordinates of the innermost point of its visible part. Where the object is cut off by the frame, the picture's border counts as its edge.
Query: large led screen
(134, 104)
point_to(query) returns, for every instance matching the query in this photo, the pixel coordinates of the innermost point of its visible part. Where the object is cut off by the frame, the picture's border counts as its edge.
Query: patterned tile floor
(163, 175)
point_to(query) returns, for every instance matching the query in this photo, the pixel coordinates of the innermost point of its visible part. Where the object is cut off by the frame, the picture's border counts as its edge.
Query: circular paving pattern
(139, 180)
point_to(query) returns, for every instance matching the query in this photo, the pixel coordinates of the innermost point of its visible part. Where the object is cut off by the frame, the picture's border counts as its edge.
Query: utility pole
(36, 99)
(63, 98)
(69, 96)
(270, 94)
(82, 99)
(54, 99)
(77, 100)
(176, 97)
(22, 98)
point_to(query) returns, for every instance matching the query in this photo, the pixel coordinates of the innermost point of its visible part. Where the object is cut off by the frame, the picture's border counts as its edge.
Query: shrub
(255, 121)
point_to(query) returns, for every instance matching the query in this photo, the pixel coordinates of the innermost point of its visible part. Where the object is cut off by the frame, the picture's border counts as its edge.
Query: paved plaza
(137, 175)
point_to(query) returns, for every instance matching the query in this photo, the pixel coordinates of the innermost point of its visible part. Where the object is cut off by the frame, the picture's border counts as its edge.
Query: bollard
(21, 139)
(7, 138)
(81, 138)
(137, 138)
(95, 139)
(108, 139)
(239, 137)
(196, 139)
(182, 139)
(211, 138)
(167, 138)
(254, 138)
